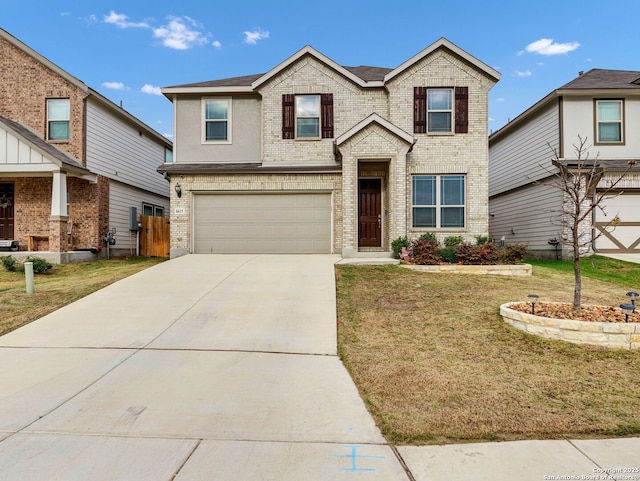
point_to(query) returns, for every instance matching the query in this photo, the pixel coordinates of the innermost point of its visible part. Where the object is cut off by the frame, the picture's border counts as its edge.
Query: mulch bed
(587, 313)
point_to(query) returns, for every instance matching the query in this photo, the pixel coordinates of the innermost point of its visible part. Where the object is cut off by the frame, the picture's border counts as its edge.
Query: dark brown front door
(369, 213)
(6, 211)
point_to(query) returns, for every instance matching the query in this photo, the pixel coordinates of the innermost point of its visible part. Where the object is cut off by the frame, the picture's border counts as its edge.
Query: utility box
(133, 219)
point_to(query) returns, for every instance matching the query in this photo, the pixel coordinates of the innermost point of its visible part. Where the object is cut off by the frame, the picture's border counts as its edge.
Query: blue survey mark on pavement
(354, 456)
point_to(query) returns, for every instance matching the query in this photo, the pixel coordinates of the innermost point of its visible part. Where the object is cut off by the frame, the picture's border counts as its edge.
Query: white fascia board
(375, 118)
(443, 42)
(206, 90)
(320, 57)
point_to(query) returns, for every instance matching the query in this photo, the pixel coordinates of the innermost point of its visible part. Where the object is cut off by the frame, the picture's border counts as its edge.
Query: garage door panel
(262, 223)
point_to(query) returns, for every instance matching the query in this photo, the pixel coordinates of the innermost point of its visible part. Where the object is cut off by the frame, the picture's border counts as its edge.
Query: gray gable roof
(53, 153)
(605, 79)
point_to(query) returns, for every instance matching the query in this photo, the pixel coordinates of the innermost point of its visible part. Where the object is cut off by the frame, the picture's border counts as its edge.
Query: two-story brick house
(602, 106)
(316, 157)
(72, 162)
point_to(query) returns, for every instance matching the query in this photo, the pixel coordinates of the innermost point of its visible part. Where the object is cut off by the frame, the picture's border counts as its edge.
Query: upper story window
(609, 115)
(58, 115)
(440, 110)
(168, 156)
(307, 116)
(438, 201)
(217, 120)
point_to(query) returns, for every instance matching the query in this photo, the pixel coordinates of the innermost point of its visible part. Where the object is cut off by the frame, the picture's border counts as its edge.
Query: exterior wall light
(178, 190)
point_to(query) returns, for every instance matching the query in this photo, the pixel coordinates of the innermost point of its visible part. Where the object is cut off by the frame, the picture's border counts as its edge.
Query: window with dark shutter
(326, 112)
(419, 110)
(288, 116)
(462, 107)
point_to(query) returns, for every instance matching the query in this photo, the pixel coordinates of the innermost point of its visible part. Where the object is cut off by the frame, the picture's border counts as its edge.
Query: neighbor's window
(168, 156)
(152, 210)
(609, 121)
(58, 114)
(217, 118)
(308, 116)
(439, 110)
(438, 201)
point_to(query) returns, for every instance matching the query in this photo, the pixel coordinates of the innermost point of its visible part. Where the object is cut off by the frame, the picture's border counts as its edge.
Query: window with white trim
(609, 114)
(438, 201)
(58, 115)
(152, 210)
(217, 120)
(308, 116)
(439, 110)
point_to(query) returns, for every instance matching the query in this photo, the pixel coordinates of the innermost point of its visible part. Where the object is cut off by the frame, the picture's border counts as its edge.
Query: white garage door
(625, 236)
(296, 223)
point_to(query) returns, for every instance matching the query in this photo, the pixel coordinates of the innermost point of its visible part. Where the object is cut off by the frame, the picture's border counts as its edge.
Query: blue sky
(127, 50)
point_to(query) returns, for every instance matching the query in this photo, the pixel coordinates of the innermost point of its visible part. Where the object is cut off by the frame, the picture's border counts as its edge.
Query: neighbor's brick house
(317, 157)
(71, 161)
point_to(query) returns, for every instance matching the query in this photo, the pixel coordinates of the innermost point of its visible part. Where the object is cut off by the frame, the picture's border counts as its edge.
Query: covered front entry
(262, 223)
(6, 211)
(618, 224)
(370, 213)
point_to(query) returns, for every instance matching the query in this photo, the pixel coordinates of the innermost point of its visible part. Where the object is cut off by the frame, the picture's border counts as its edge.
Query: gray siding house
(602, 106)
(316, 157)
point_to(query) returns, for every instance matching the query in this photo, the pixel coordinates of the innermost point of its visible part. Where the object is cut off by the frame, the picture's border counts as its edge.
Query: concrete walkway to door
(203, 367)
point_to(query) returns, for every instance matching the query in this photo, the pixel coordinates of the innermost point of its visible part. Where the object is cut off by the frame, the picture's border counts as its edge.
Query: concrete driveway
(203, 367)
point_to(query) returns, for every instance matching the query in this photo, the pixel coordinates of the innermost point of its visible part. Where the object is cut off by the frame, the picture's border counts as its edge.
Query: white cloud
(546, 46)
(180, 34)
(115, 85)
(526, 73)
(252, 38)
(121, 20)
(151, 90)
(217, 44)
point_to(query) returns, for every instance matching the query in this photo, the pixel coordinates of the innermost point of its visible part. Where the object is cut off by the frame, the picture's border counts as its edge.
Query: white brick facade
(373, 137)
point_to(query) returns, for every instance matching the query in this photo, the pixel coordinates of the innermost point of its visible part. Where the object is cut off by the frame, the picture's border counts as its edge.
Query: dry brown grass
(59, 287)
(435, 363)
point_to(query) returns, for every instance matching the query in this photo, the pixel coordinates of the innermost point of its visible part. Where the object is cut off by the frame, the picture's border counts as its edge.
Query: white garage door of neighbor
(294, 223)
(626, 234)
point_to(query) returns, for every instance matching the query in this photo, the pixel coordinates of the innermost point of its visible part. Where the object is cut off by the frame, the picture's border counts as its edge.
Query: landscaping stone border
(496, 270)
(618, 335)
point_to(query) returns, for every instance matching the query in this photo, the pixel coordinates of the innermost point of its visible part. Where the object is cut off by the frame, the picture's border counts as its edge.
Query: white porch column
(59, 195)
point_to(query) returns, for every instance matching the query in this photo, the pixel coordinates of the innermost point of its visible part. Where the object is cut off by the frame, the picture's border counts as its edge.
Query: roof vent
(580, 73)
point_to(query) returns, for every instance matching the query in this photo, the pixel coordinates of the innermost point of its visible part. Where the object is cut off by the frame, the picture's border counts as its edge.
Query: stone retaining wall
(618, 335)
(496, 270)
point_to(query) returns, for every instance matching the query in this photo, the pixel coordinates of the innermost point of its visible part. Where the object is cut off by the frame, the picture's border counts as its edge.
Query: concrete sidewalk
(224, 367)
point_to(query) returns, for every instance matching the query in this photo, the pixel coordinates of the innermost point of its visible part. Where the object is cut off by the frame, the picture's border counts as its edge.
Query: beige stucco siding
(245, 145)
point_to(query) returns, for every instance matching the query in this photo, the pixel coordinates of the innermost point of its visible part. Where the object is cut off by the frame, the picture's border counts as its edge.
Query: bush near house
(40, 265)
(426, 250)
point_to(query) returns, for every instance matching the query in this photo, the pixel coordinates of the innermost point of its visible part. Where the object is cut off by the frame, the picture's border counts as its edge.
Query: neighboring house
(72, 163)
(315, 157)
(600, 105)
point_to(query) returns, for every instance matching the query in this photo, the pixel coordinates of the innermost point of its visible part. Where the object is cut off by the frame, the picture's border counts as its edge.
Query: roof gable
(382, 122)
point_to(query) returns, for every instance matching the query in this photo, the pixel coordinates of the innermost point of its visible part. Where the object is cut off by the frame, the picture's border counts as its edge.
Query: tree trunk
(577, 289)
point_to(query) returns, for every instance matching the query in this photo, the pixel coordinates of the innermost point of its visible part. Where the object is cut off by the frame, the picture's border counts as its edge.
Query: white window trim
(438, 206)
(319, 117)
(68, 120)
(451, 111)
(598, 122)
(154, 209)
(203, 110)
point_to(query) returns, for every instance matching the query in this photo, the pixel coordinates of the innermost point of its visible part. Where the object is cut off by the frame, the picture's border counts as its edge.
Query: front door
(370, 213)
(6, 211)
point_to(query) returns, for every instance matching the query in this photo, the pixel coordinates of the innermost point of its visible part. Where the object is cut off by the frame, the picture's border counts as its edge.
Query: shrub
(429, 236)
(449, 254)
(513, 253)
(483, 239)
(483, 254)
(425, 250)
(398, 244)
(9, 263)
(40, 266)
(452, 241)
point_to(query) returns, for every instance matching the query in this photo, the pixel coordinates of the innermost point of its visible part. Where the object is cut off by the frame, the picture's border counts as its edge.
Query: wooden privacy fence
(154, 236)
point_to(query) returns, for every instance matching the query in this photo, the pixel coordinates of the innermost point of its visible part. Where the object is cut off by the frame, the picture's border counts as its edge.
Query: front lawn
(435, 363)
(58, 287)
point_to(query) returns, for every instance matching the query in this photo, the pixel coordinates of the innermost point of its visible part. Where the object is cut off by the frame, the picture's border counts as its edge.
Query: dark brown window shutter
(462, 107)
(420, 110)
(288, 116)
(326, 115)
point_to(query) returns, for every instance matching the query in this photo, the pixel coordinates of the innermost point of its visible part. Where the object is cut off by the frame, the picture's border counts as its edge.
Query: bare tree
(583, 190)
